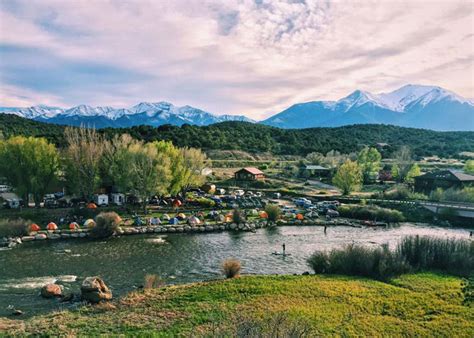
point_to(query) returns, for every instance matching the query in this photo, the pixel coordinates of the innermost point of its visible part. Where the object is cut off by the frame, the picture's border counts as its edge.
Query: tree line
(33, 166)
(257, 138)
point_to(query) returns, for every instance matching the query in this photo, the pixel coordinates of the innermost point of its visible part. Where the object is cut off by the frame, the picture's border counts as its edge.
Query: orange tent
(52, 226)
(299, 217)
(90, 223)
(73, 226)
(263, 214)
(177, 203)
(34, 227)
(91, 206)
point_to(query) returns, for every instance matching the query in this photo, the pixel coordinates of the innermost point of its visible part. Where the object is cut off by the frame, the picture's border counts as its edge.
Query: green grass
(422, 304)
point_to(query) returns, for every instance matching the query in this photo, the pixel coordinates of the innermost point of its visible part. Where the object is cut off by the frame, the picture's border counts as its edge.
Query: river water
(123, 262)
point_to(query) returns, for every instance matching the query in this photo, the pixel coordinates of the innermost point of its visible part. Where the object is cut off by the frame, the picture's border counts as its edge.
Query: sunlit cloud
(238, 57)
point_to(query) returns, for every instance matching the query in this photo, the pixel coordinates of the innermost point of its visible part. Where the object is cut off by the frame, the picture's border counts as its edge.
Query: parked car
(5, 188)
(277, 195)
(101, 200)
(239, 192)
(12, 203)
(332, 213)
(50, 203)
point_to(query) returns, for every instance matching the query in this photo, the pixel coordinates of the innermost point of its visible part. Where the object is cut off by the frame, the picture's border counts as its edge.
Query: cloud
(237, 56)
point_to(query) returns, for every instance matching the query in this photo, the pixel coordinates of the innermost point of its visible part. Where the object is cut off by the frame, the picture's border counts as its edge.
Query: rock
(83, 234)
(51, 290)
(209, 228)
(54, 236)
(75, 235)
(233, 226)
(94, 290)
(17, 312)
(171, 229)
(157, 230)
(202, 229)
(179, 229)
(221, 227)
(41, 237)
(187, 228)
(28, 238)
(306, 273)
(150, 230)
(65, 236)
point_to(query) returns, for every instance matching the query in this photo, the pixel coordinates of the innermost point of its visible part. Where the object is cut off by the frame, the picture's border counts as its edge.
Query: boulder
(51, 291)
(157, 230)
(209, 228)
(65, 235)
(94, 290)
(233, 226)
(28, 238)
(54, 236)
(41, 237)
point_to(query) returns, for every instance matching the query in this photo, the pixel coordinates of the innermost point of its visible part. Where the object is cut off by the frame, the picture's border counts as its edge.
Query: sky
(250, 57)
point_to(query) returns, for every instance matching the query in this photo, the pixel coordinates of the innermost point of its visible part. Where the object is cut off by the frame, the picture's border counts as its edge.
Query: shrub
(106, 224)
(153, 282)
(465, 195)
(13, 227)
(273, 211)
(231, 268)
(205, 202)
(371, 212)
(319, 262)
(237, 216)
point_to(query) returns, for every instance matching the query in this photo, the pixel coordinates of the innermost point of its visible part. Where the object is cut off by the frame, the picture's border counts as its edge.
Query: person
(470, 234)
(325, 228)
(284, 247)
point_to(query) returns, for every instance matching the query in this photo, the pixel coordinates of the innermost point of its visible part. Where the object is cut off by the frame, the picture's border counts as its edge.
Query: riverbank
(422, 304)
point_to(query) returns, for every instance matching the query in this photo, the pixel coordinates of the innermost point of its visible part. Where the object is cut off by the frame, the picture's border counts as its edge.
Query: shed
(249, 174)
(316, 170)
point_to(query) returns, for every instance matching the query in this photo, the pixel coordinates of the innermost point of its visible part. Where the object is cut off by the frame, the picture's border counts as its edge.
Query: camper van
(117, 199)
(12, 203)
(101, 200)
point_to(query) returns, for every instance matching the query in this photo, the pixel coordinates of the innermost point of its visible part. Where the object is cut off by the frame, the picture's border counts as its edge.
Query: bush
(231, 268)
(371, 212)
(273, 211)
(106, 224)
(465, 195)
(153, 282)
(237, 216)
(205, 202)
(14, 227)
(319, 262)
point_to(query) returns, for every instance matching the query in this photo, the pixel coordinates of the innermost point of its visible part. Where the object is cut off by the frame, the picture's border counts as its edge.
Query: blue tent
(174, 221)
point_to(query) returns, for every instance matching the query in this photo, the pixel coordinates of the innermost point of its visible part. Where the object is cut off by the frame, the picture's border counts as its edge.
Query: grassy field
(421, 304)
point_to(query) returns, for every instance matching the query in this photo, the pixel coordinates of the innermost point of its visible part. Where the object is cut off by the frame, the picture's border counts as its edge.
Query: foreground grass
(420, 304)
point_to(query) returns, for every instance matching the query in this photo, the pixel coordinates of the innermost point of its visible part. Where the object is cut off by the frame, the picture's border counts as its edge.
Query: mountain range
(417, 106)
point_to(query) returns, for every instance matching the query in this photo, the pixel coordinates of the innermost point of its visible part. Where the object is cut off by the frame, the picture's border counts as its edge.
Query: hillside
(306, 306)
(256, 138)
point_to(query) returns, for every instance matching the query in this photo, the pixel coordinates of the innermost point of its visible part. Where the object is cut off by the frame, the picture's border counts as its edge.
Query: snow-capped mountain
(145, 113)
(417, 106)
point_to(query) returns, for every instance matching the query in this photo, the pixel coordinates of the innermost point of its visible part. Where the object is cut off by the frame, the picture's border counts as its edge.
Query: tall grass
(451, 255)
(371, 212)
(273, 211)
(231, 268)
(106, 224)
(413, 253)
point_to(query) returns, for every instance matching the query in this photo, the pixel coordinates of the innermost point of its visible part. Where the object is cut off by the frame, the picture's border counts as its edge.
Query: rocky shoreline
(10, 242)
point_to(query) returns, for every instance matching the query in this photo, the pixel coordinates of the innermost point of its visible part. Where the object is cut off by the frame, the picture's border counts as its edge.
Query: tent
(165, 217)
(74, 226)
(177, 203)
(155, 221)
(253, 212)
(194, 220)
(299, 217)
(174, 221)
(263, 214)
(290, 215)
(181, 216)
(52, 226)
(91, 206)
(34, 227)
(90, 223)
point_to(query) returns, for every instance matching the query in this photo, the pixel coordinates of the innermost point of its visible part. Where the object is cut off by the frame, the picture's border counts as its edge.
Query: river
(123, 262)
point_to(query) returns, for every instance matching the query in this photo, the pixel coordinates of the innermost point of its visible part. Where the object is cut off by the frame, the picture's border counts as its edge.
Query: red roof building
(249, 174)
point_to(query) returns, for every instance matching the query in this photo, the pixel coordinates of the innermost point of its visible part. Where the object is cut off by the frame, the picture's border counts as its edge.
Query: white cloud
(252, 57)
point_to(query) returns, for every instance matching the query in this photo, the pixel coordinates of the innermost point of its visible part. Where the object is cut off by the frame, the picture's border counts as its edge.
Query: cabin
(249, 174)
(444, 179)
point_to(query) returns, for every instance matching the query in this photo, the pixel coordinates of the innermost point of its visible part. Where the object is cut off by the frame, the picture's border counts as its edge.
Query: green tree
(369, 160)
(412, 173)
(348, 177)
(395, 171)
(194, 161)
(469, 167)
(30, 165)
(83, 157)
(150, 172)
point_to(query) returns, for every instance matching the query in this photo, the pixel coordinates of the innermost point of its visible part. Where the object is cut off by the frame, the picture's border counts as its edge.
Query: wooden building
(249, 174)
(444, 179)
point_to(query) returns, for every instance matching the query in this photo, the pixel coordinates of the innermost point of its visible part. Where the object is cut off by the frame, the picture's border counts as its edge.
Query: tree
(404, 161)
(314, 158)
(348, 177)
(194, 161)
(149, 171)
(30, 165)
(395, 171)
(412, 173)
(369, 160)
(83, 156)
(469, 167)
